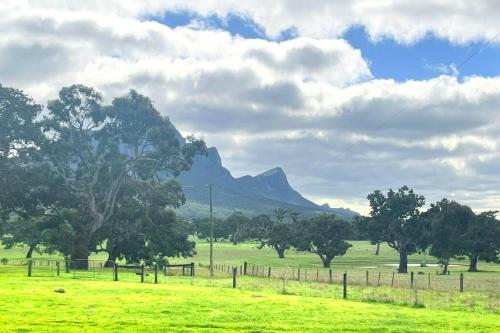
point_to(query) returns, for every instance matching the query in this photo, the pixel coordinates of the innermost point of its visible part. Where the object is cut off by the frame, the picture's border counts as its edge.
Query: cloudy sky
(346, 96)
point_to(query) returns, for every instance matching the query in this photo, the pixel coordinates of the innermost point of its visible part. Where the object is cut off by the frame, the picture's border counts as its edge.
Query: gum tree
(325, 236)
(396, 219)
(449, 222)
(93, 150)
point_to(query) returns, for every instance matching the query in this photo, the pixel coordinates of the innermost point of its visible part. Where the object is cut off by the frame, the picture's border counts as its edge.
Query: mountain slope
(253, 195)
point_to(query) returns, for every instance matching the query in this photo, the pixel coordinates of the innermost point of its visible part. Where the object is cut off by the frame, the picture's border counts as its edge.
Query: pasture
(185, 304)
(93, 302)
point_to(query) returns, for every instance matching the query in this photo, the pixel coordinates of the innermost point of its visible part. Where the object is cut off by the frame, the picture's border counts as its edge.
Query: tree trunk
(403, 261)
(80, 251)
(30, 251)
(445, 268)
(473, 263)
(111, 260)
(326, 261)
(377, 249)
(281, 253)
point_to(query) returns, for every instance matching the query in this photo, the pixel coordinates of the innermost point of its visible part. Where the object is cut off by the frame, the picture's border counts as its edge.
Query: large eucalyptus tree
(95, 149)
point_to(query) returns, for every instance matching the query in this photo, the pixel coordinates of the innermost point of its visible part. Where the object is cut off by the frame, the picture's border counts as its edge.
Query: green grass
(94, 303)
(359, 257)
(208, 305)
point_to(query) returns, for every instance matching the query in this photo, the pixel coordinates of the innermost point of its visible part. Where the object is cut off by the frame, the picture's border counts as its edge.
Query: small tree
(23, 231)
(449, 223)
(275, 234)
(237, 227)
(360, 226)
(482, 239)
(324, 235)
(396, 220)
(201, 227)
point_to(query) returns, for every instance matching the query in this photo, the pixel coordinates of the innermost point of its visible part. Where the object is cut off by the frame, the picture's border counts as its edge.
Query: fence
(463, 290)
(429, 290)
(422, 280)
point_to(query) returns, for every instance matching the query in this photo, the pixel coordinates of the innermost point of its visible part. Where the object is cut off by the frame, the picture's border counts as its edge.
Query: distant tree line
(447, 230)
(323, 235)
(79, 176)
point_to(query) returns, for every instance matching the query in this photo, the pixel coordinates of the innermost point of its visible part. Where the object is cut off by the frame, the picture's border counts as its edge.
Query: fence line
(411, 289)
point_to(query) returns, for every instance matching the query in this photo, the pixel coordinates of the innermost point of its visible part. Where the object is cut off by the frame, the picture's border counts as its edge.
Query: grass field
(360, 256)
(181, 305)
(94, 303)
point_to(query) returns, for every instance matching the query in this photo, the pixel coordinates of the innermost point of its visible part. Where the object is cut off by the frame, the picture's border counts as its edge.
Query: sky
(346, 96)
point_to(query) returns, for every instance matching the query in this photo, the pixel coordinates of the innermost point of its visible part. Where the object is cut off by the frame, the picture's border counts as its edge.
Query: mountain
(251, 194)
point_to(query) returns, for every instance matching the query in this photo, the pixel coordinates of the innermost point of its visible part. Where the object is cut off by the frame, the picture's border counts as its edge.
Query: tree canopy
(396, 219)
(91, 159)
(449, 223)
(325, 236)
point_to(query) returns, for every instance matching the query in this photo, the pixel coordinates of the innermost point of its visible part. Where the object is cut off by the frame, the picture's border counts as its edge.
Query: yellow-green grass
(359, 256)
(181, 304)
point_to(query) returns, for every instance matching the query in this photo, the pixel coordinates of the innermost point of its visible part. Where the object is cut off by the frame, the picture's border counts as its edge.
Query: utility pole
(211, 232)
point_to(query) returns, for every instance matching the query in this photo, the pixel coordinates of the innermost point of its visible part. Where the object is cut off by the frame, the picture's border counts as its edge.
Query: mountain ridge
(252, 194)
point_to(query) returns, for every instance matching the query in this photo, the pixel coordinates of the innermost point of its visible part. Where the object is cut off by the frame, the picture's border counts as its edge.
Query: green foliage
(396, 219)
(237, 227)
(360, 226)
(201, 228)
(276, 234)
(325, 236)
(63, 177)
(482, 239)
(449, 221)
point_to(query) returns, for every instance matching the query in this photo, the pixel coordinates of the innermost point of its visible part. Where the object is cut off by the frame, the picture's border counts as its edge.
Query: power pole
(211, 232)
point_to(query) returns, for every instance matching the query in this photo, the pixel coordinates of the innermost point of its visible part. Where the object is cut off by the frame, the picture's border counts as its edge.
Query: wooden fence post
(392, 281)
(378, 280)
(245, 266)
(367, 278)
(66, 263)
(269, 272)
(142, 273)
(116, 272)
(330, 276)
(429, 282)
(461, 282)
(412, 279)
(156, 273)
(58, 268)
(30, 264)
(298, 274)
(253, 269)
(235, 270)
(344, 293)
(317, 275)
(192, 269)
(305, 274)
(293, 274)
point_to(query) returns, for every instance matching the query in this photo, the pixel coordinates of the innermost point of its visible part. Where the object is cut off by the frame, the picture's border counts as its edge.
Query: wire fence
(456, 291)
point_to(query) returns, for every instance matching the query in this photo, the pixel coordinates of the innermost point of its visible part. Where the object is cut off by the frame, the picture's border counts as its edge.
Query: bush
(4, 261)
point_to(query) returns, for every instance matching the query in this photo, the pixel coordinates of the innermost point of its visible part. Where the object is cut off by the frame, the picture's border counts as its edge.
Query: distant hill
(250, 194)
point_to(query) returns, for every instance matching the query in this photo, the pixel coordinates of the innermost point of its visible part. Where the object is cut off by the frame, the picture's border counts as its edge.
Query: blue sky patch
(388, 59)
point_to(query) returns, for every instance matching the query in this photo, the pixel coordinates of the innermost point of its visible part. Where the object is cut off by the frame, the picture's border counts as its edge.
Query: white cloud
(308, 105)
(406, 21)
